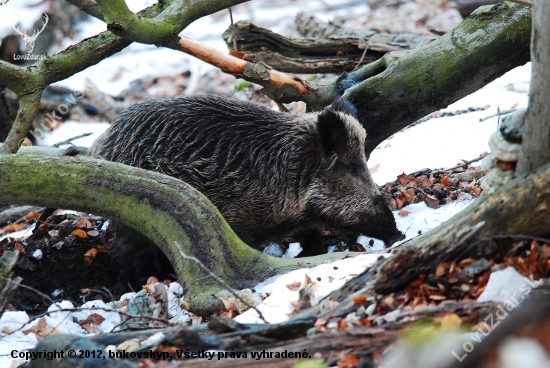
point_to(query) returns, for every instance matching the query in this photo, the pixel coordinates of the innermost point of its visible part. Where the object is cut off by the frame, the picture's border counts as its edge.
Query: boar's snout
(380, 223)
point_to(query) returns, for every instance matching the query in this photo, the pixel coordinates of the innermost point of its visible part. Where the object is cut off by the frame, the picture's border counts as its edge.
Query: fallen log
(329, 54)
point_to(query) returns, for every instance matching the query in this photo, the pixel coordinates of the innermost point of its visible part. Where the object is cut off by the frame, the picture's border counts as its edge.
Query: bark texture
(535, 149)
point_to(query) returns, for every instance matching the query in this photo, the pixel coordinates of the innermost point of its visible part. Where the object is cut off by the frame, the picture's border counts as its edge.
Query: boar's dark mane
(269, 168)
(272, 175)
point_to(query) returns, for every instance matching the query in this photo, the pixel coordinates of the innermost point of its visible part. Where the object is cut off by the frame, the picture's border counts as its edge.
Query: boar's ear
(344, 106)
(333, 131)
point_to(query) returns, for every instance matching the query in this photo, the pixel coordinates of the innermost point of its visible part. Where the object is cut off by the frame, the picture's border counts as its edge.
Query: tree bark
(535, 148)
(313, 55)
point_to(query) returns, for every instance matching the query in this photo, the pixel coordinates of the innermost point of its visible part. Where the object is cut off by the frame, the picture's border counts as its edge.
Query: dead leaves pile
(435, 188)
(465, 280)
(60, 229)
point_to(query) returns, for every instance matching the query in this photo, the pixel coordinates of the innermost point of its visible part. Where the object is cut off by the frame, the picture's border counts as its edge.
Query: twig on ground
(220, 281)
(362, 57)
(67, 141)
(464, 165)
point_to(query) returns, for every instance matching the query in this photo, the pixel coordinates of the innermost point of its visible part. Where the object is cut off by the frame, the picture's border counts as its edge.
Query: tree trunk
(535, 148)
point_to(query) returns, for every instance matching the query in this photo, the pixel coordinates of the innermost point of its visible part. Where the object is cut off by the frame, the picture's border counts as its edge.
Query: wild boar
(274, 176)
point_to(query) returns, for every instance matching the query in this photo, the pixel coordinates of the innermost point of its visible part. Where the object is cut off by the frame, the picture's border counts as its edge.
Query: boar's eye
(354, 171)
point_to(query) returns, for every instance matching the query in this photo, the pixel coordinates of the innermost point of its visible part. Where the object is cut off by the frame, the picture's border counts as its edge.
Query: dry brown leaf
(228, 303)
(229, 310)
(20, 247)
(294, 286)
(424, 181)
(93, 318)
(445, 180)
(359, 299)
(90, 255)
(365, 322)
(38, 328)
(320, 323)
(374, 169)
(389, 300)
(404, 213)
(84, 292)
(81, 234)
(400, 202)
(13, 228)
(6, 330)
(342, 324)
(442, 269)
(91, 329)
(408, 195)
(476, 190)
(152, 280)
(83, 223)
(307, 281)
(348, 361)
(403, 179)
(32, 215)
(357, 247)
(431, 201)
(49, 331)
(26, 142)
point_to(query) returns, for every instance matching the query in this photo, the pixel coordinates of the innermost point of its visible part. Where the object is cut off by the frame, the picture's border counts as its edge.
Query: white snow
(70, 129)
(327, 277)
(19, 234)
(522, 352)
(37, 254)
(506, 286)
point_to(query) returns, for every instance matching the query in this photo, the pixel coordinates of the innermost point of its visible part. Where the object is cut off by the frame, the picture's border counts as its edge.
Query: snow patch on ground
(504, 285)
(277, 304)
(70, 129)
(62, 318)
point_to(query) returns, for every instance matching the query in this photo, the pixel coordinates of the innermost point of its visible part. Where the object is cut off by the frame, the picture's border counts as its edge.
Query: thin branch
(162, 28)
(89, 7)
(219, 280)
(28, 108)
(464, 165)
(67, 141)
(255, 72)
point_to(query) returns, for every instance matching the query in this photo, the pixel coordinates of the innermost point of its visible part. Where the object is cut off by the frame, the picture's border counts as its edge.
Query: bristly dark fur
(344, 106)
(272, 175)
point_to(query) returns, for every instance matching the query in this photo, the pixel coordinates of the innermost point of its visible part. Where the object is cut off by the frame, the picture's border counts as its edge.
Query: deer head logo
(29, 40)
